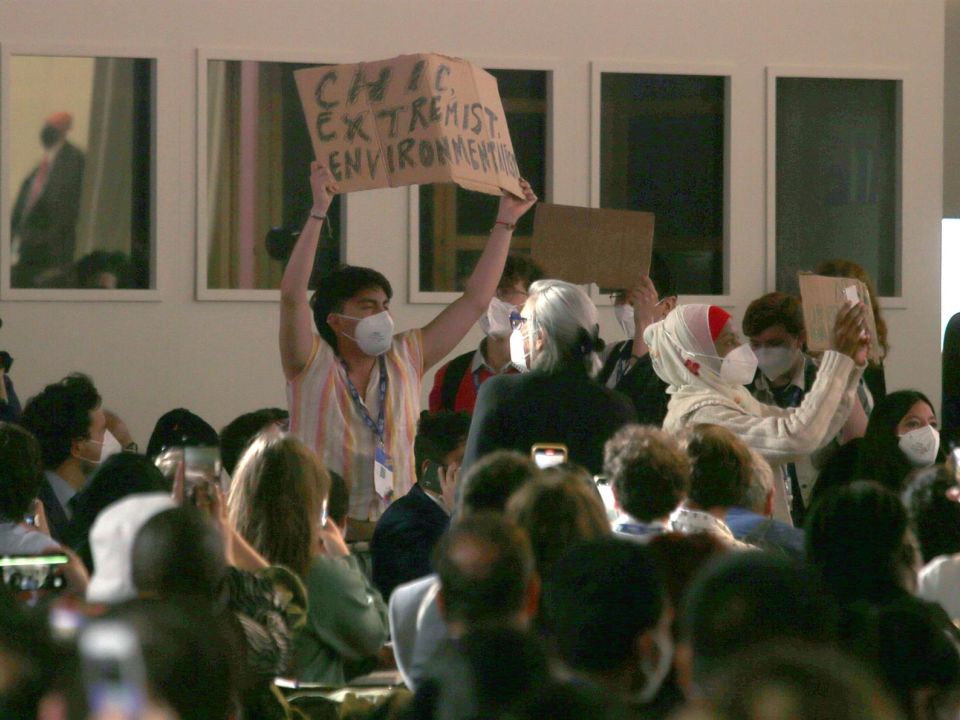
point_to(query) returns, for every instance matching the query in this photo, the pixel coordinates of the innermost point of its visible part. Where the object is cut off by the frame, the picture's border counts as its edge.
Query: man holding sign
(354, 390)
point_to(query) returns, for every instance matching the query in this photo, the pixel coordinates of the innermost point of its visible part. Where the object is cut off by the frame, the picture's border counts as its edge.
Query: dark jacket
(640, 384)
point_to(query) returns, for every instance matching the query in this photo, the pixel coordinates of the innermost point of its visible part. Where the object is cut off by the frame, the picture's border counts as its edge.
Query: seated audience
(932, 499)
(650, 476)
(276, 502)
(456, 384)
(410, 527)
(67, 420)
(558, 401)
(720, 470)
(236, 436)
(697, 352)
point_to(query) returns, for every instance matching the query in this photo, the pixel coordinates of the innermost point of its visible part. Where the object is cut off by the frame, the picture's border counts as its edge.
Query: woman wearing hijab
(696, 352)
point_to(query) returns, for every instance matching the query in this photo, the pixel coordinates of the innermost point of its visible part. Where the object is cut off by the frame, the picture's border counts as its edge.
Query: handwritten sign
(581, 245)
(823, 297)
(410, 120)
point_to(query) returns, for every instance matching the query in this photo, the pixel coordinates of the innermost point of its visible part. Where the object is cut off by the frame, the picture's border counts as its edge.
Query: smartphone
(431, 477)
(201, 469)
(113, 670)
(606, 494)
(549, 454)
(31, 577)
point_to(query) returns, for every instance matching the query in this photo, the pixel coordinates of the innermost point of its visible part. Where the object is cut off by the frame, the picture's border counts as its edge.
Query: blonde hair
(275, 500)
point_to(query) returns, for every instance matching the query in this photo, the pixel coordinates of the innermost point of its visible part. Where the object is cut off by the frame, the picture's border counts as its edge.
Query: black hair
(880, 457)
(720, 467)
(661, 276)
(773, 309)
(488, 592)
(438, 435)
(180, 427)
(648, 471)
(935, 518)
(21, 471)
(237, 434)
(338, 499)
(856, 537)
(742, 600)
(59, 415)
(493, 479)
(599, 598)
(338, 287)
(519, 269)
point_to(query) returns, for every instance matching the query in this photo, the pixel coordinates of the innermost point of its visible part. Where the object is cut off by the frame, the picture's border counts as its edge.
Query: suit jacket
(404, 538)
(56, 516)
(416, 627)
(640, 384)
(47, 229)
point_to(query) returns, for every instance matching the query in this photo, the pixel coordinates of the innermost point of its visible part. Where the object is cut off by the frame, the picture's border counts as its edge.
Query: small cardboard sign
(582, 245)
(413, 119)
(822, 298)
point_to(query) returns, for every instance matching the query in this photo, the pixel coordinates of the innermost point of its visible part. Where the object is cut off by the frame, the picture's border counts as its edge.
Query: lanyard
(376, 427)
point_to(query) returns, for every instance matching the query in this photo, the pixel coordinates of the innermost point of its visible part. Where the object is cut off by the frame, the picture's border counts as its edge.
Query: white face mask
(921, 446)
(108, 446)
(656, 674)
(518, 355)
(626, 317)
(739, 366)
(496, 321)
(373, 333)
(774, 362)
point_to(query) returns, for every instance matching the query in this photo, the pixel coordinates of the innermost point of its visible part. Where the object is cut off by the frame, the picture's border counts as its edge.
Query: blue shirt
(764, 532)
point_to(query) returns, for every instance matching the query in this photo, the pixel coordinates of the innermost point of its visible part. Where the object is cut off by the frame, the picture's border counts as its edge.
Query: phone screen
(113, 670)
(201, 468)
(545, 456)
(431, 478)
(30, 577)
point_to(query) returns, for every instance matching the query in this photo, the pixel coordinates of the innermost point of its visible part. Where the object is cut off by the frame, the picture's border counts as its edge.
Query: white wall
(220, 358)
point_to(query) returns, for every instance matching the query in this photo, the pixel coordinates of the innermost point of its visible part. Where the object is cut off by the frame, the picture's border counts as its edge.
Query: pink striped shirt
(324, 415)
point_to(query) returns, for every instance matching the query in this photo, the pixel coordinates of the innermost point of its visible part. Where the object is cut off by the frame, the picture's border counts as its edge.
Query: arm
(296, 321)
(448, 328)
(644, 314)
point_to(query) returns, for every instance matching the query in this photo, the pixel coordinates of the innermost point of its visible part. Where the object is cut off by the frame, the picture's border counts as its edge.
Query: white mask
(626, 317)
(373, 333)
(739, 366)
(921, 446)
(774, 362)
(496, 320)
(518, 355)
(108, 446)
(656, 674)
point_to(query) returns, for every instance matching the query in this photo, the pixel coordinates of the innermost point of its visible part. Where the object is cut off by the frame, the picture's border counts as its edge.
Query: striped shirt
(324, 415)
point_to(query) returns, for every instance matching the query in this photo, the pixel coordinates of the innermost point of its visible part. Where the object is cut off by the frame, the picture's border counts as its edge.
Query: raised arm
(448, 328)
(296, 321)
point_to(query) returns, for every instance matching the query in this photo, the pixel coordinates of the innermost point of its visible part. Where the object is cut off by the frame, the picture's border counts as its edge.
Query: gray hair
(566, 320)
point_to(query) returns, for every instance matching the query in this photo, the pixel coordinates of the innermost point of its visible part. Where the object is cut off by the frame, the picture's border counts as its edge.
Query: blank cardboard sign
(822, 299)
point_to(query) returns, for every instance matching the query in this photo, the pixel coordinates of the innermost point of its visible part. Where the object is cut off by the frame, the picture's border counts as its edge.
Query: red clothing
(476, 374)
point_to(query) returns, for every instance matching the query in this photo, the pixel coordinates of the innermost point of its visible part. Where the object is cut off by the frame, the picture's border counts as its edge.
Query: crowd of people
(736, 528)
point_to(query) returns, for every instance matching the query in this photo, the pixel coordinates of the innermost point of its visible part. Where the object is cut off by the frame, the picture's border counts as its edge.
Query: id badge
(382, 473)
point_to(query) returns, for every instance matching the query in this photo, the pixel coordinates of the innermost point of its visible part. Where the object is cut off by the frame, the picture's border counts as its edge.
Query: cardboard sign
(822, 298)
(581, 245)
(409, 120)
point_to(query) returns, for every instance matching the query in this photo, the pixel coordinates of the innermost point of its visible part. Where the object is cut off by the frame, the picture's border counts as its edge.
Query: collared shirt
(325, 417)
(630, 527)
(792, 393)
(688, 521)
(63, 491)
(479, 371)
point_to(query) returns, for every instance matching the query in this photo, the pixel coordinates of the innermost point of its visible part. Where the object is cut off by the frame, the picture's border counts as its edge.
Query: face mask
(656, 674)
(496, 321)
(625, 316)
(108, 446)
(774, 362)
(374, 333)
(739, 366)
(921, 446)
(518, 356)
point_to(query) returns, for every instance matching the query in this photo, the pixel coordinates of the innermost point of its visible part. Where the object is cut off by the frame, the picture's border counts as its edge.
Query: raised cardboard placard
(410, 120)
(822, 299)
(582, 245)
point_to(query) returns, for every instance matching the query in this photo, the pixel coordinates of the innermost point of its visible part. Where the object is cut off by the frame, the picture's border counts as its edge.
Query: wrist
(505, 224)
(318, 213)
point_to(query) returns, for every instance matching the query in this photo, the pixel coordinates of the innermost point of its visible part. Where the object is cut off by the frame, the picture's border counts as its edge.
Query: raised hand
(324, 187)
(849, 333)
(513, 208)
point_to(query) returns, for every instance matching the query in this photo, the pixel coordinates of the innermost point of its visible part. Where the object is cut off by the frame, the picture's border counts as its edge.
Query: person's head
(487, 575)
(237, 434)
(558, 510)
(178, 553)
(55, 128)
(68, 422)
(493, 479)
(180, 428)
(276, 499)
(758, 496)
(850, 269)
(111, 542)
(858, 538)
(103, 270)
(774, 325)
(648, 470)
(742, 600)
(901, 435)
(720, 467)
(931, 499)
(624, 299)
(346, 296)
(606, 613)
(519, 273)
(21, 471)
(441, 439)
(559, 328)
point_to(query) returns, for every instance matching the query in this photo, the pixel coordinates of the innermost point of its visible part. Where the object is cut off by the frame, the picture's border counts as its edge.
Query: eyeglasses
(517, 320)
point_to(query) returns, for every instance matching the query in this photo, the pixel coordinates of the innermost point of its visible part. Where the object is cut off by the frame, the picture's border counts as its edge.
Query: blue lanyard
(376, 427)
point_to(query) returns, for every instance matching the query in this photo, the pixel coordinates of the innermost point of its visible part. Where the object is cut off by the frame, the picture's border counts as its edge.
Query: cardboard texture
(410, 120)
(581, 245)
(822, 299)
